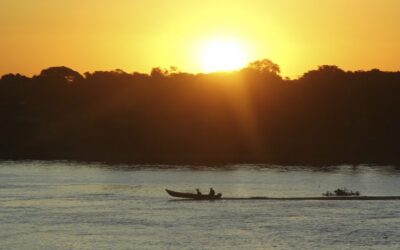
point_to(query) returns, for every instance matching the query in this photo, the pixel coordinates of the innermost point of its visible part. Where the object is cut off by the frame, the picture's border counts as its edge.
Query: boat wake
(329, 198)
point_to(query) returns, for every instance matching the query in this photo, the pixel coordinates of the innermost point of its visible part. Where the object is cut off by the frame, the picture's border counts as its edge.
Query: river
(65, 205)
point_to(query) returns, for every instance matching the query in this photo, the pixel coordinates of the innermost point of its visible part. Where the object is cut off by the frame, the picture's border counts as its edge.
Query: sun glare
(222, 55)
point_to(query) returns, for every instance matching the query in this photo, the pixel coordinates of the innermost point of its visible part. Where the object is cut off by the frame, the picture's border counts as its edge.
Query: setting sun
(222, 55)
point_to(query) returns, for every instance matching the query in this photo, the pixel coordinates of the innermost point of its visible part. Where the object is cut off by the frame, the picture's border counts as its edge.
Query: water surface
(61, 205)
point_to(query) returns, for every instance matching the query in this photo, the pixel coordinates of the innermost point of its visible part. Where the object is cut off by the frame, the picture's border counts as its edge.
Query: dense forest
(253, 115)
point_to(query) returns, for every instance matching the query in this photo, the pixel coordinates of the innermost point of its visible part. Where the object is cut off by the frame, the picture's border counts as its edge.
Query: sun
(222, 55)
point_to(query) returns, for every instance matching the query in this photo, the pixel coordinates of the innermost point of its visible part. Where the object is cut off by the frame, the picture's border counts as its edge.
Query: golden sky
(136, 35)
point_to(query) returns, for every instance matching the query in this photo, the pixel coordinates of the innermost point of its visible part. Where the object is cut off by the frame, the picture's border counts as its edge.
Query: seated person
(198, 191)
(212, 192)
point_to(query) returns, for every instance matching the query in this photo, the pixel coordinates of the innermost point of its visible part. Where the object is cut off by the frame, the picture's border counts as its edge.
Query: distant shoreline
(205, 163)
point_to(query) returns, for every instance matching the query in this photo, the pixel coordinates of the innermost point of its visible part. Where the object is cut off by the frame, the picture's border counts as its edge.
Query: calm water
(53, 205)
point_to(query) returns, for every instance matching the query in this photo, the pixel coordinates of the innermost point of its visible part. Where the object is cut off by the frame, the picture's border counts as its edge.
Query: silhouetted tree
(14, 78)
(327, 116)
(160, 72)
(265, 65)
(63, 74)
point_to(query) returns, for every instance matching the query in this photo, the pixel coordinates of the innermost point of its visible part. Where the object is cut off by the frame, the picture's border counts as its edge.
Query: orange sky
(136, 35)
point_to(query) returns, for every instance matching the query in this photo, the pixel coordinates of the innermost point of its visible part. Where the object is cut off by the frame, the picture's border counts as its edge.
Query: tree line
(253, 115)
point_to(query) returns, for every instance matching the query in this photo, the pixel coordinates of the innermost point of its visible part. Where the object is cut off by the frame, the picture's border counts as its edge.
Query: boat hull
(192, 196)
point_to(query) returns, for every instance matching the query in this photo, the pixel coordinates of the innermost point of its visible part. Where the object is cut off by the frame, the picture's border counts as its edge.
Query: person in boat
(198, 191)
(212, 192)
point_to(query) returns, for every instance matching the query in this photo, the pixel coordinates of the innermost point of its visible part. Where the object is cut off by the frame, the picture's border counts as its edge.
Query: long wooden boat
(193, 196)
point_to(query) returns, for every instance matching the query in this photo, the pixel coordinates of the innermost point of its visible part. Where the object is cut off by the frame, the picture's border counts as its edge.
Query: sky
(137, 35)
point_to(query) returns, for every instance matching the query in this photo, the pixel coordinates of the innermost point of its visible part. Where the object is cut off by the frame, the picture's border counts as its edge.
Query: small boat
(193, 196)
